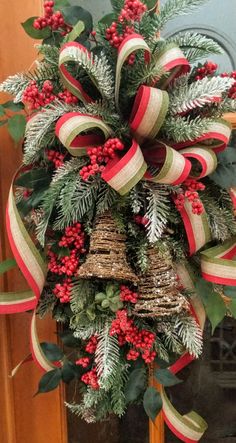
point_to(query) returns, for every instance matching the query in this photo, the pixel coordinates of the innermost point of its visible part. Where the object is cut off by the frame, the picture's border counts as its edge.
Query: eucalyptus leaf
(108, 19)
(76, 32)
(72, 14)
(135, 385)
(225, 174)
(152, 402)
(52, 351)
(68, 339)
(38, 34)
(34, 179)
(50, 381)
(15, 107)
(166, 378)
(16, 127)
(68, 372)
(212, 301)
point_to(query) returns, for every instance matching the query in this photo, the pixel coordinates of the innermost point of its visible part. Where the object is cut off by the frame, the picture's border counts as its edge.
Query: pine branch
(195, 46)
(118, 402)
(15, 85)
(98, 69)
(46, 303)
(106, 198)
(145, 74)
(181, 129)
(197, 94)
(81, 294)
(190, 334)
(136, 198)
(106, 111)
(157, 210)
(51, 53)
(227, 105)
(86, 331)
(76, 199)
(117, 5)
(41, 131)
(68, 172)
(174, 8)
(107, 357)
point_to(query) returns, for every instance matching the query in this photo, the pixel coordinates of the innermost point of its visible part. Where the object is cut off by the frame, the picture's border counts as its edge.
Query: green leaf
(69, 340)
(6, 265)
(166, 378)
(108, 19)
(212, 301)
(3, 122)
(73, 14)
(38, 34)
(15, 107)
(230, 291)
(232, 307)
(100, 297)
(16, 127)
(225, 174)
(34, 179)
(52, 351)
(162, 363)
(68, 372)
(2, 111)
(152, 403)
(60, 4)
(50, 381)
(151, 4)
(135, 385)
(75, 33)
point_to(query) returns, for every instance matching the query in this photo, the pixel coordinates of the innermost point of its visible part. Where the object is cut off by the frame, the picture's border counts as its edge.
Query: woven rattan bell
(159, 294)
(107, 253)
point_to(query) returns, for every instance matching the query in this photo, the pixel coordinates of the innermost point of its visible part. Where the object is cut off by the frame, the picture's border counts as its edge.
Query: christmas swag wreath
(121, 217)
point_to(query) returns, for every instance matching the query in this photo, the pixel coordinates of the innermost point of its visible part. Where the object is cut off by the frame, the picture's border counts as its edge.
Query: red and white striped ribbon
(217, 263)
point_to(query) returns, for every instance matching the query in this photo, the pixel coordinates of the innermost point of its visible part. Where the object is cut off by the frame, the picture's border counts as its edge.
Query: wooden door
(23, 419)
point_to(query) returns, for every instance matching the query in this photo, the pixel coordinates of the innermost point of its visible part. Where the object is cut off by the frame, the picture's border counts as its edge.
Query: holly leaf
(68, 372)
(38, 34)
(49, 381)
(167, 378)
(34, 179)
(76, 32)
(152, 403)
(2, 111)
(16, 127)
(230, 291)
(135, 385)
(52, 351)
(213, 303)
(73, 14)
(6, 265)
(58, 4)
(232, 307)
(15, 107)
(225, 174)
(108, 19)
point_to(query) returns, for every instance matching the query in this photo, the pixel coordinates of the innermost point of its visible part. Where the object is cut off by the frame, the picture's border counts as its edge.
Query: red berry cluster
(190, 191)
(68, 97)
(132, 11)
(100, 155)
(127, 333)
(208, 69)
(113, 36)
(127, 295)
(74, 236)
(143, 221)
(92, 345)
(232, 91)
(53, 20)
(90, 378)
(37, 99)
(84, 362)
(63, 290)
(55, 157)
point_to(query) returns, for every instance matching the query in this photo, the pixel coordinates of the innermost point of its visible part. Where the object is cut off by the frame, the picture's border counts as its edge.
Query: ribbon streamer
(217, 263)
(196, 227)
(172, 59)
(73, 52)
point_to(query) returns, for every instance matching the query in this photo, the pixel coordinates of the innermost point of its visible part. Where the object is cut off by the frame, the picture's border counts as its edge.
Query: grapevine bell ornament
(107, 253)
(159, 293)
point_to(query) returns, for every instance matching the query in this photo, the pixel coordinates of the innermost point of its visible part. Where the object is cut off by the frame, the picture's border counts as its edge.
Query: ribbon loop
(205, 157)
(71, 125)
(217, 264)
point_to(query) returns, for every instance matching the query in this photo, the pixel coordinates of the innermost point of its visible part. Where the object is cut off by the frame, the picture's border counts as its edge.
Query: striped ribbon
(190, 427)
(217, 263)
(172, 60)
(73, 52)
(34, 270)
(70, 126)
(217, 137)
(196, 227)
(130, 44)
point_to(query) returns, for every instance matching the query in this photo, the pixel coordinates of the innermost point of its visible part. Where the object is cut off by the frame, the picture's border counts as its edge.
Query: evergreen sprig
(181, 129)
(195, 46)
(107, 357)
(157, 210)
